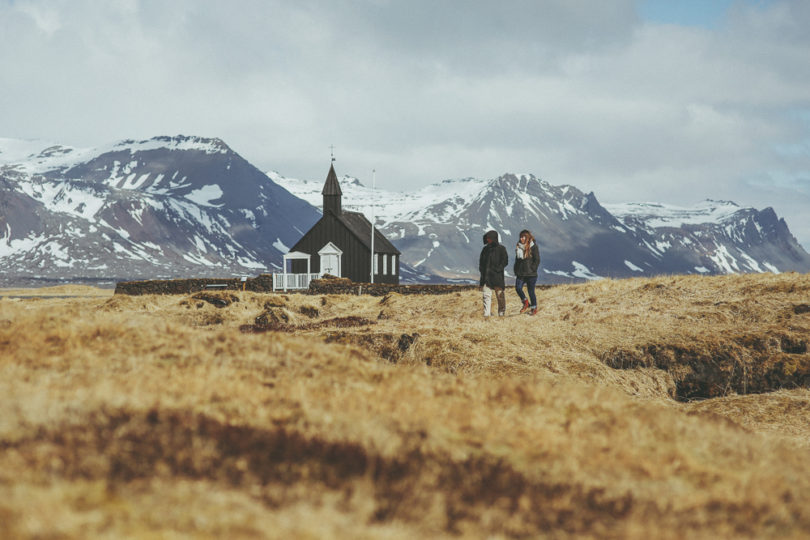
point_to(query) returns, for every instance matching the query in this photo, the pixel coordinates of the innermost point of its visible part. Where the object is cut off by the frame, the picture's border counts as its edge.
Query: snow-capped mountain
(439, 229)
(714, 237)
(189, 206)
(163, 207)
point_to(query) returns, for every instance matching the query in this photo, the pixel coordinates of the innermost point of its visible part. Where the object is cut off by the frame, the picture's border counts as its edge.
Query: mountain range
(189, 206)
(439, 229)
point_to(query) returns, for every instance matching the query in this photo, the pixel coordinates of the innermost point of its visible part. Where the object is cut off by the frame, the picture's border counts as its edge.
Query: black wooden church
(340, 243)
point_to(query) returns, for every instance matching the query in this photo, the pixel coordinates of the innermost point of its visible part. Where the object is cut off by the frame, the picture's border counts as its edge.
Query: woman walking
(527, 260)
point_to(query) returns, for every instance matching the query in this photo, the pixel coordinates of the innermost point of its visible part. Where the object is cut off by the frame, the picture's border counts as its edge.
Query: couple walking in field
(493, 261)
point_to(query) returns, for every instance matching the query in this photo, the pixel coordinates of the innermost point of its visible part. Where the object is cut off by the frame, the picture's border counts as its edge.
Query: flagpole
(373, 182)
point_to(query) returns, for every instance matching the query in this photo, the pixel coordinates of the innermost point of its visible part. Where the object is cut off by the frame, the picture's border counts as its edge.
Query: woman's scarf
(522, 250)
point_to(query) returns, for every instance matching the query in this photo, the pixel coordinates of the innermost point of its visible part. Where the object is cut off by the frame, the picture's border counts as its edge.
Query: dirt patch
(309, 311)
(275, 320)
(390, 347)
(801, 308)
(749, 364)
(217, 299)
(271, 317)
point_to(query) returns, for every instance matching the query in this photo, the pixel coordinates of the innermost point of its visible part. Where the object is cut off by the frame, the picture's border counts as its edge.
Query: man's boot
(525, 306)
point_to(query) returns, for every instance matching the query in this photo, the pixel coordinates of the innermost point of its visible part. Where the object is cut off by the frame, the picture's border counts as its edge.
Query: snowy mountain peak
(178, 142)
(38, 157)
(667, 215)
(515, 180)
(347, 180)
(18, 150)
(456, 180)
(55, 151)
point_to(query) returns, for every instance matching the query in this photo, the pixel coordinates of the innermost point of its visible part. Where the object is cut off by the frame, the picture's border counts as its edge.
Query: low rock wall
(264, 283)
(346, 286)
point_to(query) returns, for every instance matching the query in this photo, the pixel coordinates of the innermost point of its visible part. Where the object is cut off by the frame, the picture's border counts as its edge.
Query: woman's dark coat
(528, 267)
(492, 262)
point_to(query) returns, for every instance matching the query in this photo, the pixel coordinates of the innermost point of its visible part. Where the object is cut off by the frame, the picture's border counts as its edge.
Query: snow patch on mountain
(632, 266)
(67, 198)
(583, 272)
(20, 245)
(666, 215)
(205, 195)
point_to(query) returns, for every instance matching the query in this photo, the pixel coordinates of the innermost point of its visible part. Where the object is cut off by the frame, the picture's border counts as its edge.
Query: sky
(636, 100)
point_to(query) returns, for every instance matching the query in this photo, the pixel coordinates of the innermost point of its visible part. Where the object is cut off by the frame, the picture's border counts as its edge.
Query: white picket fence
(284, 282)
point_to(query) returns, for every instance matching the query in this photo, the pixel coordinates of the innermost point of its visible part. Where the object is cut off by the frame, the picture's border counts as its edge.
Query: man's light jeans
(499, 295)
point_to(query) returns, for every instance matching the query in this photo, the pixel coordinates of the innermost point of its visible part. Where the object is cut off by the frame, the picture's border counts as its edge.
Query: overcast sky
(669, 101)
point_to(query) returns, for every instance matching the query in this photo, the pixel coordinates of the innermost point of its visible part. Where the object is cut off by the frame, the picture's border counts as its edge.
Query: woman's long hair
(527, 247)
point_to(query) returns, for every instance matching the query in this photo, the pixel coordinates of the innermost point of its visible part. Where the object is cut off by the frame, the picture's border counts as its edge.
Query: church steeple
(331, 192)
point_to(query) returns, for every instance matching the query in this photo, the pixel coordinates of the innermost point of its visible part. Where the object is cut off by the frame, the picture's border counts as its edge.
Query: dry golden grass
(58, 290)
(248, 415)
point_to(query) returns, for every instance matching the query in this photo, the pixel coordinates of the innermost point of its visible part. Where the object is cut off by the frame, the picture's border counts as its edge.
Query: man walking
(491, 264)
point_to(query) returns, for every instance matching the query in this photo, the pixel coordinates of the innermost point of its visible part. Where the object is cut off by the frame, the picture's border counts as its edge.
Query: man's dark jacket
(492, 262)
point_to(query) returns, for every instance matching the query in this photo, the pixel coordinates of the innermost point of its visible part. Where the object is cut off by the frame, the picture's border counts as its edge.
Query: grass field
(669, 407)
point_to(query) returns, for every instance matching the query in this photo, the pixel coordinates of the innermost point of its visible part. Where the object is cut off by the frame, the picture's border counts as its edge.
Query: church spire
(331, 192)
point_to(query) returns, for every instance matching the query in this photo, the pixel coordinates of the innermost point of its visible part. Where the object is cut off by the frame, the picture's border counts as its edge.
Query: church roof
(332, 186)
(358, 224)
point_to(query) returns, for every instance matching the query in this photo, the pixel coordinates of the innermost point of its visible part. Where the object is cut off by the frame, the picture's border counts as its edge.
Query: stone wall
(262, 283)
(346, 286)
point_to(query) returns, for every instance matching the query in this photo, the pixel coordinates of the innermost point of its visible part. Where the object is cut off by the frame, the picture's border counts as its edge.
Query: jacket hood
(491, 234)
